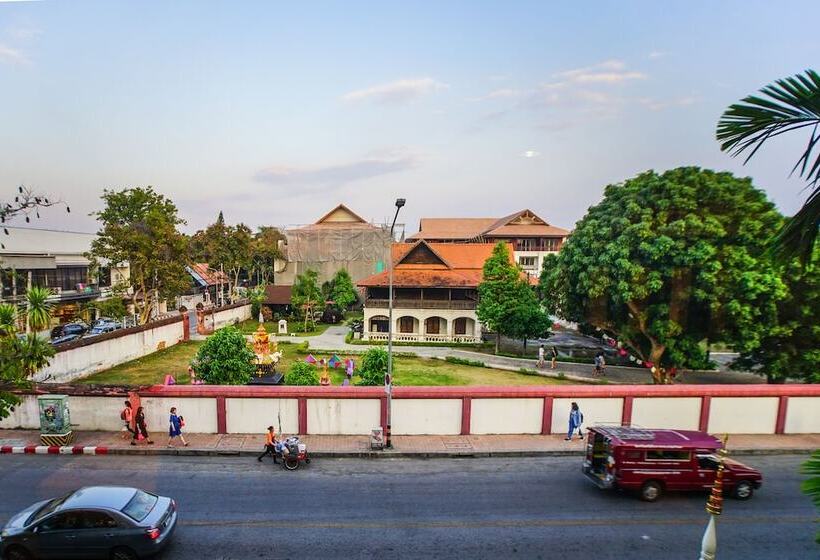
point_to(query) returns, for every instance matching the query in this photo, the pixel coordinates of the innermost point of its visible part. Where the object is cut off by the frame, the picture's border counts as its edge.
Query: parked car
(104, 325)
(77, 327)
(653, 461)
(93, 522)
(64, 339)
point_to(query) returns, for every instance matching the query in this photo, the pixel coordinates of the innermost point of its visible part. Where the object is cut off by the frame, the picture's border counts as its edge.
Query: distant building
(435, 293)
(208, 287)
(531, 237)
(339, 239)
(55, 260)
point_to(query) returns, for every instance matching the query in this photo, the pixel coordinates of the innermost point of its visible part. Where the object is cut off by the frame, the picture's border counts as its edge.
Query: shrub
(225, 359)
(464, 361)
(302, 374)
(303, 347)
(373, 368)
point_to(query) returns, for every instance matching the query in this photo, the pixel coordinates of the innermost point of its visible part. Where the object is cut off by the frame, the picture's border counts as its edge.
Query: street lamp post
(714, 507)
(388, 378)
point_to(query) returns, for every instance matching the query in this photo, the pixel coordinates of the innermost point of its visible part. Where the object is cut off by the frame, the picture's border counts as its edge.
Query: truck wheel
(651, 491)
(743, 490)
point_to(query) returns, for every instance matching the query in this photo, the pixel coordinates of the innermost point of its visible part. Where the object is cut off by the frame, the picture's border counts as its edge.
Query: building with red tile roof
(435, 293)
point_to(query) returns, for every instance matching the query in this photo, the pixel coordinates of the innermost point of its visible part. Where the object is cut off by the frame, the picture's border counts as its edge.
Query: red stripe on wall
(782, 409)
(466, 412)
(221, 415)
(705, 405)
(302, 414)
(626, 411)
(546, 417)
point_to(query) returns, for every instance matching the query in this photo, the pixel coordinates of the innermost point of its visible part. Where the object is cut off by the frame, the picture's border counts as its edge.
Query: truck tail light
(152, 533)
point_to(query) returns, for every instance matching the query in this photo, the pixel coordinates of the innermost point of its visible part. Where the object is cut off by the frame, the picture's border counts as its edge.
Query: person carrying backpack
(127, 416)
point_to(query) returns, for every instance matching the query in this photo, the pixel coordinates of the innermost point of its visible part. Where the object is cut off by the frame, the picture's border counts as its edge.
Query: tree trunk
(525, 348)
(660, 375)
(497, 341)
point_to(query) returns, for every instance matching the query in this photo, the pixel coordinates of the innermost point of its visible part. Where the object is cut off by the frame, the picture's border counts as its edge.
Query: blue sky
(276, 112)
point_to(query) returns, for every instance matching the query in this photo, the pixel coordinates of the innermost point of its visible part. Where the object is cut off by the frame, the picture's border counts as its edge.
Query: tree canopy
(342, 291)
(667, 263)
(139, 227)
(225, 358)
(306, 295)
(227, 247)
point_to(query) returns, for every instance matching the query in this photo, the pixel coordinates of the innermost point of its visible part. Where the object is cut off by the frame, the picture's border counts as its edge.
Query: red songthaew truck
(653, 461)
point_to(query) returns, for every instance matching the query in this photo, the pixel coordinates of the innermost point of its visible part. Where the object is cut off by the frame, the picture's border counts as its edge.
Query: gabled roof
(341, 211)
(524, 223)
(456, 266)
(204, 275)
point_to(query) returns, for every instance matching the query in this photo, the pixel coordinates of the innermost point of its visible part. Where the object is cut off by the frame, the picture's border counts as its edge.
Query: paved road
(234, 508)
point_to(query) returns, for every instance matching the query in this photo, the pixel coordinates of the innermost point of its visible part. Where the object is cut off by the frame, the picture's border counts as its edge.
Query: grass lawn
(407, 371)
(249, 327)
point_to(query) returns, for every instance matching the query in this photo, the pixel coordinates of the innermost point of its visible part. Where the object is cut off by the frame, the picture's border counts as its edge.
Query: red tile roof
(465, 229)
(210, 276)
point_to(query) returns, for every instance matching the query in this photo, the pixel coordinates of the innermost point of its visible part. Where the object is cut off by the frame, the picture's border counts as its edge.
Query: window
(48, 508)
(406, 325)
(379, 324)
(69, 276)
(140, 505)
(667, 455)
(633, 455)
(97, 520)
(432, 325)
(707, 462)
(528, 262)
(524, 245)
(63, 522)
(460, 326)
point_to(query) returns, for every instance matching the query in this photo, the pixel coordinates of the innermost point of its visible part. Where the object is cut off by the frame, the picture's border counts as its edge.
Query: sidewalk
(403, 446)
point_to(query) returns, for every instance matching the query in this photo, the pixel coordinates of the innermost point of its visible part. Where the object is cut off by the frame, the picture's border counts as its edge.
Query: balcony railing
(415, 337)
(421, 304)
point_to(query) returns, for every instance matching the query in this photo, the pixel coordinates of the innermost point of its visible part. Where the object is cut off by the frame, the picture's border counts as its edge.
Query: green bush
(464, 361)
(373, 367)
(225, 359)
(303, 347)
(302, 374)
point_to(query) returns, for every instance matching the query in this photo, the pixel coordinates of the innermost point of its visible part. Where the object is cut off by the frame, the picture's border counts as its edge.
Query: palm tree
(34, 353)
(785, 106)
(811, 486)
(8, 319)
(38, 308)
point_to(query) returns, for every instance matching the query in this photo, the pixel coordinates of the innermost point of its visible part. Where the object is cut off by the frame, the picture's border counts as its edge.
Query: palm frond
(788, 105)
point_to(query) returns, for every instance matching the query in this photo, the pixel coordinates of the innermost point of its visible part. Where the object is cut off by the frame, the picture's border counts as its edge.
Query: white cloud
(9, 55)
(654, 55)
(531, 154)
(607, 72)
(399, 91)
(335, 175)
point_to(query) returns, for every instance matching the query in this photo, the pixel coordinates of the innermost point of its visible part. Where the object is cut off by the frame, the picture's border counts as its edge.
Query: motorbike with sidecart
(292, 452)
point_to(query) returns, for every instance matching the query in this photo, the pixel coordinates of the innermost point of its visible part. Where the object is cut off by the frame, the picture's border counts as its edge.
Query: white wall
(199, 414)
(595, 411)
(803, 415)
(682, 413)
(343, 416)
(231, 316)
(250, 416)
(26, 415)
(426, 416)
(85, 360)
(506, 416)
(743, 415)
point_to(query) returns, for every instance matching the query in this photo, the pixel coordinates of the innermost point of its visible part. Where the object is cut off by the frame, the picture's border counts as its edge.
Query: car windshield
(140, 505)
(46, 509)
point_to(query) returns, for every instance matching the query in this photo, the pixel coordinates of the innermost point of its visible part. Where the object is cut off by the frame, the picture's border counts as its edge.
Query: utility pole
(388, 378)
(714, 506)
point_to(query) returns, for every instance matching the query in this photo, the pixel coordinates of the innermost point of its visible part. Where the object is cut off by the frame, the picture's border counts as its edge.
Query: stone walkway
(403, 446)
(334, 339)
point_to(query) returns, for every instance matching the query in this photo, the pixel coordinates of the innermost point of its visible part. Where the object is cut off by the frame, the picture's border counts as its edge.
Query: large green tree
(229, 248)
(265, 252)
(506, 303)
(667, 263)
(225, 358)
(788, 105)
(789, 346)
(342, 291)
(139, 227)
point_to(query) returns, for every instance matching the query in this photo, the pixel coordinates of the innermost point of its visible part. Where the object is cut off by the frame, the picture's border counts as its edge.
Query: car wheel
(743, 490)
(122, 553)
(651, 491)
(17, 553)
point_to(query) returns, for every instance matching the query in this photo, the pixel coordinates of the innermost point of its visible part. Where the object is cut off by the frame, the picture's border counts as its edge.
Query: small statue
(324, 380)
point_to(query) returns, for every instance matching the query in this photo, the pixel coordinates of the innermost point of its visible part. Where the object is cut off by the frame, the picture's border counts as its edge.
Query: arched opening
(464, 326)
(407, 325)
(435, 325)
(379, 324)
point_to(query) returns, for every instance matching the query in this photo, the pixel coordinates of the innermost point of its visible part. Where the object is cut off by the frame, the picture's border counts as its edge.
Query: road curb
(388, 454)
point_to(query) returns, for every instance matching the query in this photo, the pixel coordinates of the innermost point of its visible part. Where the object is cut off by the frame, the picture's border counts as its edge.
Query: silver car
(113, 522)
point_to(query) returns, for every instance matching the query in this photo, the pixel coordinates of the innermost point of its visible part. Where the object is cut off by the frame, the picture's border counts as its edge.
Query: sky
(276, 112)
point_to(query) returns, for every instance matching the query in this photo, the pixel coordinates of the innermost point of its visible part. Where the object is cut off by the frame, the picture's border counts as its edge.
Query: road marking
(477, 524)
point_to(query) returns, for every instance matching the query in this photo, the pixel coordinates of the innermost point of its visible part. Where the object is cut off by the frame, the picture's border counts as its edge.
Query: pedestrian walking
(270, 445)
(576, 420)
(176, 423)
(598, 366)
(554, 356)
(602, 364)
(140, 428)
(540, 362)
(127, 416)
